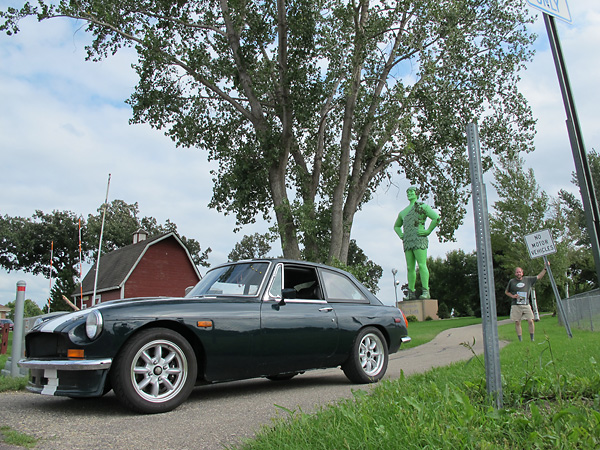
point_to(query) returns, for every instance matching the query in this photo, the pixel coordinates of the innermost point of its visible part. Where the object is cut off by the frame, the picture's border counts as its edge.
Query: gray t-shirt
(521, 287)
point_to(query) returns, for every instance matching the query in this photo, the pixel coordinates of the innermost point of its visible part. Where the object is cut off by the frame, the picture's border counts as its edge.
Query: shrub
(443, 312)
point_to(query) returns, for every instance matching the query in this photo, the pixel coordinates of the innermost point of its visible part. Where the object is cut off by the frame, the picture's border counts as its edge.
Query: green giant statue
(410, 227)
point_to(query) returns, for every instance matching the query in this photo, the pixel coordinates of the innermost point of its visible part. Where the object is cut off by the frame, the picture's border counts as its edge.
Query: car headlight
(93, 324)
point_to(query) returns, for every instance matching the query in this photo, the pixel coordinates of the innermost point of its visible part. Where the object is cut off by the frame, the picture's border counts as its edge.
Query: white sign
(556, 8)
(540, 243)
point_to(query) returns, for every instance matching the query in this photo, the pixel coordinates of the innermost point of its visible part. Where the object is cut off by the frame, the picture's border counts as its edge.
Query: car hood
(51, 324)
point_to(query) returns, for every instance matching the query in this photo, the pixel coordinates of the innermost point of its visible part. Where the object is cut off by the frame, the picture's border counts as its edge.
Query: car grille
(40, 345)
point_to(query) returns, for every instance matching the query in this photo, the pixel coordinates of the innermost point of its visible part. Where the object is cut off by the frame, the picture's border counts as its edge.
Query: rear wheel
(155, 372)
(368, 358)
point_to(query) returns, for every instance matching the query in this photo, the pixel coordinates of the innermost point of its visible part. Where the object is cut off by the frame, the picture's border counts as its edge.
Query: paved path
(214, 416)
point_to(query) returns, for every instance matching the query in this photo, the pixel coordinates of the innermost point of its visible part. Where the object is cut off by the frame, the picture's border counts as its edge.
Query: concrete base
(7, 371)
(421, 309)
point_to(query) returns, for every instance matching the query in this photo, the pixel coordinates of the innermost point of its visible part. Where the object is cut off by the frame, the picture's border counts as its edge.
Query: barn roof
(117, 266)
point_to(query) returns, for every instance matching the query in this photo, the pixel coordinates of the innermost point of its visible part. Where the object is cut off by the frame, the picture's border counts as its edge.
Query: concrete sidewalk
(443, 350)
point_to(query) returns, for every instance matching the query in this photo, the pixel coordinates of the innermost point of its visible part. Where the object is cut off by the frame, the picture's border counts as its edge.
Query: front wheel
(368, 358)
(155, 372)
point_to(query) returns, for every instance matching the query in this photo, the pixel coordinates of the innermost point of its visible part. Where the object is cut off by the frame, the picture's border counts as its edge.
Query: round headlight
(93, 324)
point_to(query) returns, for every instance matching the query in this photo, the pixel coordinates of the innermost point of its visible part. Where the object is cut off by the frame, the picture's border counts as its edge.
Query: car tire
(155, 371)
(368, 358)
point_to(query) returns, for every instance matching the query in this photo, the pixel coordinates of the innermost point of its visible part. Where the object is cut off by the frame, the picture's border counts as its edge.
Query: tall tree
(30, 309)
(570, 216)
(365, 270)
(26, 243)
(522, 209)
(122, 221)
(250, 247)
(456, 282)
(308, 105)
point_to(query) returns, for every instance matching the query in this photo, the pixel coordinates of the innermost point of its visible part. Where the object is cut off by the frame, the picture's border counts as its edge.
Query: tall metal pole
(18, 333)
(100, 243)
(487, 294)
(584, 175)
(394, 272)
(559, 305)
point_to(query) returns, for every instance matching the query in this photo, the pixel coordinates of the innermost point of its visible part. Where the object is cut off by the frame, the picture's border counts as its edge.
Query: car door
(296, 333)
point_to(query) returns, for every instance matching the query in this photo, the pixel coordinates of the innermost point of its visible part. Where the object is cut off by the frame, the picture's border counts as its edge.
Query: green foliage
(12, 437)
(570, 219)
(412, 318)
(359, 265)
(250, 247)
(455, 282)
(522, 209)
(30, 309)
(26, 243)
(443, 311)
(47, 241)
(122, 221)
(10, 383)
(308, 106)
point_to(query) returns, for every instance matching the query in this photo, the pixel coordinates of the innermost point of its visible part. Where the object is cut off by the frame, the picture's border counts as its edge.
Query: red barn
(150, 267)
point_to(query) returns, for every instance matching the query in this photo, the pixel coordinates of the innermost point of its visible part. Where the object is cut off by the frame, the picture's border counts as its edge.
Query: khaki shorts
(521, 312)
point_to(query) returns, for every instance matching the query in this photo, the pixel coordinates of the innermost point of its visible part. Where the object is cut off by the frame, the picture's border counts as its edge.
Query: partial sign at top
(556, 8)
(540, 243)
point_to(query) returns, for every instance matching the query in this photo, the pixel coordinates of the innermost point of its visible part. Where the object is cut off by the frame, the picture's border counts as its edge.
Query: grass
(12, 437)
(423, 332)
(10, 383)
(550, 401)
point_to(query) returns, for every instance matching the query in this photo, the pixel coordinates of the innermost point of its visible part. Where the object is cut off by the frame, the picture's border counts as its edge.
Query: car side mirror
(287, 293)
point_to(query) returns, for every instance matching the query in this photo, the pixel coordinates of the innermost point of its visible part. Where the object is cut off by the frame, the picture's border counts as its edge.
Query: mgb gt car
(270, 318)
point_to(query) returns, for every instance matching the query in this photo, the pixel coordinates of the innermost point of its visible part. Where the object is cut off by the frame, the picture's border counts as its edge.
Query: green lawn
(423, 332)
(10, 383)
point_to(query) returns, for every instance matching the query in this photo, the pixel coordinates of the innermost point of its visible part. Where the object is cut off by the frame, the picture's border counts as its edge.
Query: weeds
(13, 437)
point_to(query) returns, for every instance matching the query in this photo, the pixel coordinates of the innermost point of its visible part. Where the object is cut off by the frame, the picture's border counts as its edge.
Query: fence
(583, 310)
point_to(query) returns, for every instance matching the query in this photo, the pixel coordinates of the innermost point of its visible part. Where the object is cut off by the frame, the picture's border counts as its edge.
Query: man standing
(518, 290)
(410, 227)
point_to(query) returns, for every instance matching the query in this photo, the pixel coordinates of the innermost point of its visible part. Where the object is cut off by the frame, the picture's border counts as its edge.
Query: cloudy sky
(64, 128)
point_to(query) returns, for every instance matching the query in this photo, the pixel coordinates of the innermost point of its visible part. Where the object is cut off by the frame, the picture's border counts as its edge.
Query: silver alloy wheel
(371, 354)
(159, 371)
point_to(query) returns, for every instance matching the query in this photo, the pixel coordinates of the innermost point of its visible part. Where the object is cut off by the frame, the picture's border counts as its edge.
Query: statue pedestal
(421, 309)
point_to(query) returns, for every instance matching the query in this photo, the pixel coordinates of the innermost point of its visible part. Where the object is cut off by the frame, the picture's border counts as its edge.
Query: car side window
(275, 289)
(340, 288)
(304, 280)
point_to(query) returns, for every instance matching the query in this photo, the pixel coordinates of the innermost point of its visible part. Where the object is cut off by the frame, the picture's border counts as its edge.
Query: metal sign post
(541, 244)
(487, 294)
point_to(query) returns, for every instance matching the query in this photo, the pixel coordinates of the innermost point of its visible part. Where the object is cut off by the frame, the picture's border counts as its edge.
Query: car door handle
(326, 309)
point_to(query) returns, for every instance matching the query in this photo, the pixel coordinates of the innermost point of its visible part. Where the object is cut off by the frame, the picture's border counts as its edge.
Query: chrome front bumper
(66, 364)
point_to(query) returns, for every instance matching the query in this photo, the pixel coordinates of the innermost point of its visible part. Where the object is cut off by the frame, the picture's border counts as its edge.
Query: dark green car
(262, 318)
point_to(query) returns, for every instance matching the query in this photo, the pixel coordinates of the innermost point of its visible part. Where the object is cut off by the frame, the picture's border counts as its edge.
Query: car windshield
(234, 279)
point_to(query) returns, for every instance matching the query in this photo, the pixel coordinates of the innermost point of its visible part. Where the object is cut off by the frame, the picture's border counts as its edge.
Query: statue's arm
(398, 226)
(433, 216)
